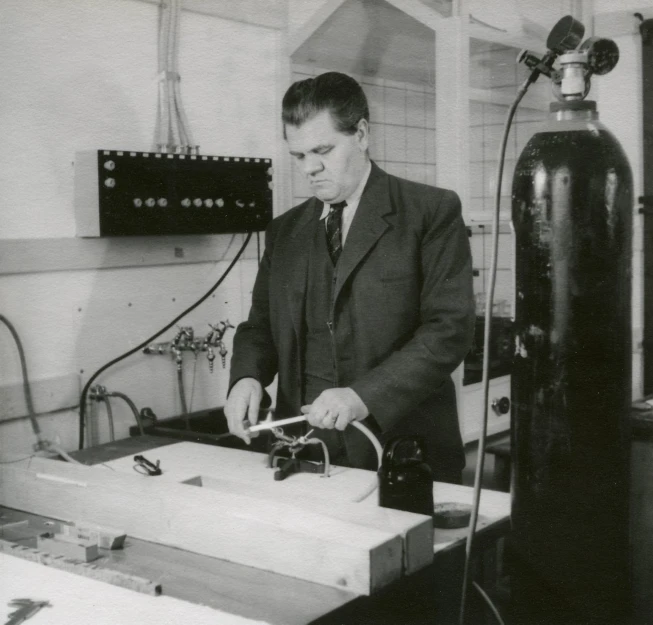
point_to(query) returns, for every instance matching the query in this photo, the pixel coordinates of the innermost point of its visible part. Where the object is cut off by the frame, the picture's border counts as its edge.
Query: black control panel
(121, 193)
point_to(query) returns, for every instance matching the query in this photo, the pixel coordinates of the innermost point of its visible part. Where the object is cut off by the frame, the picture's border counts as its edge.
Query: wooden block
(103, 537)
(236, 471)
(22, 534)
(13, 524)
(416, 530)
(184, 461)
(274, 536)
(62, 545)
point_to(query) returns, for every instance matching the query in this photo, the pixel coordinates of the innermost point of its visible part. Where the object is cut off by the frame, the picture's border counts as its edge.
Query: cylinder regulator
(571, 381)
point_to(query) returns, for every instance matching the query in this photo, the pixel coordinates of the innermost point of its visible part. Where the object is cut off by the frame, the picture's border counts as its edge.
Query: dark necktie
(334, 230)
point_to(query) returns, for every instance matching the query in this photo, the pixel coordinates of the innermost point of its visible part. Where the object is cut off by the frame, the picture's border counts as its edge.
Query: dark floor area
(495, 477)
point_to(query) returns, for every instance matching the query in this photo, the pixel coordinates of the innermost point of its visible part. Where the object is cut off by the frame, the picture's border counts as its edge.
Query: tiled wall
(54, 104)
(494, 70)
(402, 129)
(402, 142)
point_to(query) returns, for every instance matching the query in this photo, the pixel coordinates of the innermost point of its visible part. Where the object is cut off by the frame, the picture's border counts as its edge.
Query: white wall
(609, 6)
(81, 74)
(619, 99)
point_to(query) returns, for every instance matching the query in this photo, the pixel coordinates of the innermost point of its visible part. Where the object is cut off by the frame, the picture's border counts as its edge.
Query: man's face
(332, 161)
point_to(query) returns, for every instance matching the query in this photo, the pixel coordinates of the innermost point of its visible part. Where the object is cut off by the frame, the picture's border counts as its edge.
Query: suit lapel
(296, 260)
(367, 227)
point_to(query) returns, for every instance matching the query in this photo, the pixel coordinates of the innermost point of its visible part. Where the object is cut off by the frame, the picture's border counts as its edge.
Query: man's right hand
(243, 405)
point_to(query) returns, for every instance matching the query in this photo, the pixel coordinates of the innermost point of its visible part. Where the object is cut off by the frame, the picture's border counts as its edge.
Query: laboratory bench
(430, 595)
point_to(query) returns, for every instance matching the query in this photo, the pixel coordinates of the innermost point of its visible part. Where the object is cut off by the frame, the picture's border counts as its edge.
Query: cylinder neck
(569, 115)
(580, 110)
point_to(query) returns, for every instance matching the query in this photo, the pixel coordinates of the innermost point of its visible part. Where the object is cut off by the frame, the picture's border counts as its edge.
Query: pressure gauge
(602, 54)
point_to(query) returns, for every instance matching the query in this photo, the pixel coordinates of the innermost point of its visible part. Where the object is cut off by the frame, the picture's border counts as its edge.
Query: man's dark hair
(338, 93)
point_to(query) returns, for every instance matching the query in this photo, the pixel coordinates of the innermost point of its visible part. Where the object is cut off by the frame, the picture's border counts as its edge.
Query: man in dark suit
(363, 302)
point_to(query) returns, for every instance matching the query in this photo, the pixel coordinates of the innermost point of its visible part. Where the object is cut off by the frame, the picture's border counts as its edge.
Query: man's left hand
(335, 408)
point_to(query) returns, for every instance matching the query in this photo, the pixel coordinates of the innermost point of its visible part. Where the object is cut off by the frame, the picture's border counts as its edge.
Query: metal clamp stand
(287, 466)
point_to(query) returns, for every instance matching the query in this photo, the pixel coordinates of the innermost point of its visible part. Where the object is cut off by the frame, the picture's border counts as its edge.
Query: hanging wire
(172, 130)
(171, 77)
(182, 120)
(480, 460)
(182, 395)
(27, 390)
(83, 397)
(192, 386)
(107, 403)
(163, 119)
(132, 407)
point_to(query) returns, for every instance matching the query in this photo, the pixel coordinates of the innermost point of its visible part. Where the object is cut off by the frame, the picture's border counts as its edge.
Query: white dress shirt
(352, 204)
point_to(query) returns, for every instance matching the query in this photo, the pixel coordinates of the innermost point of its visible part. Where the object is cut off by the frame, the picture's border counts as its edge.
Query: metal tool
(288, 465)
(269, 424)
(144, 466)
(25, 608)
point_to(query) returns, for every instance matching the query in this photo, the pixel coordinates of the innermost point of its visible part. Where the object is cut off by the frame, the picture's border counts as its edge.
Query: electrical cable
(172, 131)
(182, 394)
(171, 77)
(480, 460)
(379, 455)
(58, 450)
(490, 605)
(171, 74)
(82, 401)
(107, 403)
(182, 116)
(192, 386)
(26, 386)
(41, 444)
(373, 439)
(163, 80)
(184, 126)
(133, 408)
(158, 127)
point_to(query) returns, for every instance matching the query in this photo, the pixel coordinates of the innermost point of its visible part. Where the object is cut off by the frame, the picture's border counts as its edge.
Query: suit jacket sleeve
(415, 371)
(254, 352)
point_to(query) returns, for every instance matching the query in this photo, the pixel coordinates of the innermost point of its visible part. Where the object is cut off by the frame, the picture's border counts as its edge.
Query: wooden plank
(117, 578)
(104, 537)
(234, 471)
(75, 599)
(226, 586)
(61, 545)
(416, 530)
(277, 537)
(248, 471)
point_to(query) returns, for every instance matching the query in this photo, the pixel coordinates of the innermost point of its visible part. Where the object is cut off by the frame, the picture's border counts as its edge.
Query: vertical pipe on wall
(646, 30)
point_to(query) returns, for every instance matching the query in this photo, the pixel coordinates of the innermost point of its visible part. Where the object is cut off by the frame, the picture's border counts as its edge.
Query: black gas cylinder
(571, 378)
(405, 480)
